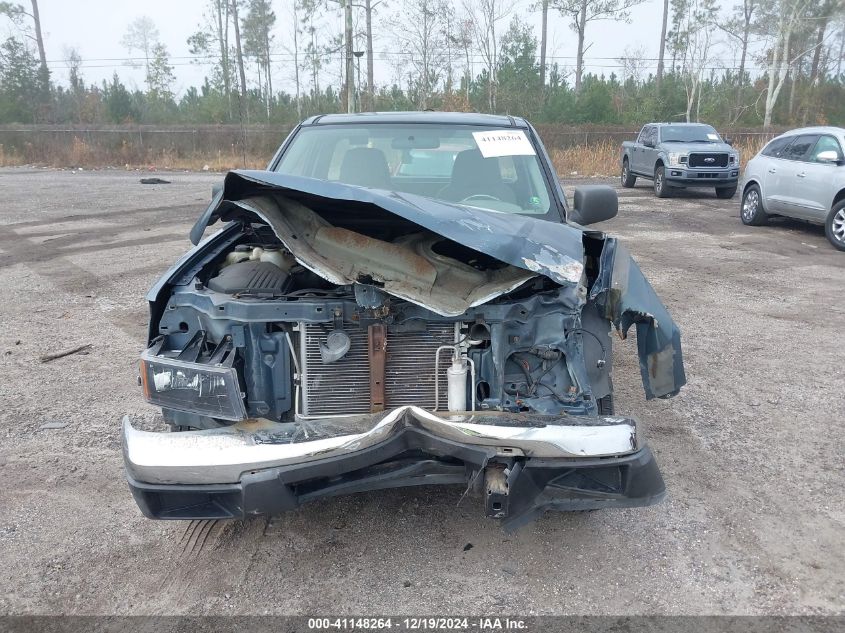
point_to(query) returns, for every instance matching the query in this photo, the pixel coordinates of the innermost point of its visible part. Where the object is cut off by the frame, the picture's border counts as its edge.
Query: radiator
(343, 387)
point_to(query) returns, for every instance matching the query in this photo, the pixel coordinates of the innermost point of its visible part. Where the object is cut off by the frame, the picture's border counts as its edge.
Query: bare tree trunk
(350, 69)
(544, 36)
(315, 70)
(371, 92)
(813, 84)
(468, 68)
(43, 71)
(238, 49)
(795, 78)
(743, 56)
(495, 65)
(296, 59)
(579, 62)
(662, 45)
(240, 56)
(777, 72)
(817, 54)
(267, 61)
(223, 40)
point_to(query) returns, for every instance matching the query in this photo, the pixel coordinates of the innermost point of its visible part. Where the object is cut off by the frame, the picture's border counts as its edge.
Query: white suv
(800, 174)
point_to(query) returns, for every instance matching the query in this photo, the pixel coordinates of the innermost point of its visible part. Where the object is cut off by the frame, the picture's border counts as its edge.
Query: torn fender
(547, 248)
(625, 298)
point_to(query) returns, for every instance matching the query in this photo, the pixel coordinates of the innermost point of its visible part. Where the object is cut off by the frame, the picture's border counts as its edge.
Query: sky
(95, 28)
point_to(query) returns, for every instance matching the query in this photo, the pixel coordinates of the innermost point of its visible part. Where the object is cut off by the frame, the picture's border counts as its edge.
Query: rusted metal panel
(548, 248)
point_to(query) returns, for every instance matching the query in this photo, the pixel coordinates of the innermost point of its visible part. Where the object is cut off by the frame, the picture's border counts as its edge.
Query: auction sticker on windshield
(497, 143)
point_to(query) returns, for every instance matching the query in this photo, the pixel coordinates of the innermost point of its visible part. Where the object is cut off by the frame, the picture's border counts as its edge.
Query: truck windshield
(689, 134)
(490, 168)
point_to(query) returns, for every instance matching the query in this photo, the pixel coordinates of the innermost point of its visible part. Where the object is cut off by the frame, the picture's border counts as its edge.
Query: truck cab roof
(453, 118)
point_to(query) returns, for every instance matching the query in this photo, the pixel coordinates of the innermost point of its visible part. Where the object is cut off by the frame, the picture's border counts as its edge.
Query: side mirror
(648, 143)
(729, 141)
(215, 190)
(830, 156)
(594, 203)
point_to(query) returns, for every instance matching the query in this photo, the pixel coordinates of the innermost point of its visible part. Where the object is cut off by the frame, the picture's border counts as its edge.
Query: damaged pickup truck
(398, 300)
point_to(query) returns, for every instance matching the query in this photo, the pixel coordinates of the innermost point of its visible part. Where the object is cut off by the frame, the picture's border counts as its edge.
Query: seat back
(473, 174)
(365, 167)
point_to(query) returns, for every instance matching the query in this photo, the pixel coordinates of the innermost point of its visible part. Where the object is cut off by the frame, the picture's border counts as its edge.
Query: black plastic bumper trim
(414, 457)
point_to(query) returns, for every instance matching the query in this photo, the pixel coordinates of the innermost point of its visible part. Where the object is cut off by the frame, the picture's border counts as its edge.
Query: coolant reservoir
(238, 255)
(274, 256)
(456, 377)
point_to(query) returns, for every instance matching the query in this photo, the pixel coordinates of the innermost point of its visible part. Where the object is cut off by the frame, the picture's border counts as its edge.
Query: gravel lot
(751, 450)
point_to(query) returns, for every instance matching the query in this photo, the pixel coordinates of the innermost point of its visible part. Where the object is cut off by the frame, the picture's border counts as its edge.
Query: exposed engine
(371, 361)
(315, 349)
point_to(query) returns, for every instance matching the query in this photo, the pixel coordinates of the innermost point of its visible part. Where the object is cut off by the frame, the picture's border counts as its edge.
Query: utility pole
(238, 49)
(543, 41)
(662, 46)
(371, 94)
(350, 95)
(43, 71)
(358, 55)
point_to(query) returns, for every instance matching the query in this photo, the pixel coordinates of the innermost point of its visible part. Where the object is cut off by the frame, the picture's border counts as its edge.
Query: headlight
(735, 158)
(676, 159)
(211, 390)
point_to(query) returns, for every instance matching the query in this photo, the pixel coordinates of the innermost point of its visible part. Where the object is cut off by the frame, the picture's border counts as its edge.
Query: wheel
(725, 193)
(834, 226)
(628, 179)
(661, 189)
(751, 210)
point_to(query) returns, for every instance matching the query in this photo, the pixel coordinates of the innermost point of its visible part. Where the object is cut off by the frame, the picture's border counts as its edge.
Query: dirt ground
(751, 449)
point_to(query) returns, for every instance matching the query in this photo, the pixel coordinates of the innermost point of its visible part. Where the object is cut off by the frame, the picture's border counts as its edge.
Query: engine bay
(311, 348)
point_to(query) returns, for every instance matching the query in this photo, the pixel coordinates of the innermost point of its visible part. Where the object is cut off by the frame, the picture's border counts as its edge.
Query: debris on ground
(52, 425)
(82, 349)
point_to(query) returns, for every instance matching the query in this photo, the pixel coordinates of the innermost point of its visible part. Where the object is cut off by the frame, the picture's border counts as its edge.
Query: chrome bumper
(224, 455)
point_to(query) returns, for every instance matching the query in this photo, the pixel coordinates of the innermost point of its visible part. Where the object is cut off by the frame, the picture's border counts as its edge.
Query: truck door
(639, 151)
(650, 153)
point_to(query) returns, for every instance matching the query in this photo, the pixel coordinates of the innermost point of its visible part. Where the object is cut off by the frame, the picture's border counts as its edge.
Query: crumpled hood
(550, 249)
(620, 290)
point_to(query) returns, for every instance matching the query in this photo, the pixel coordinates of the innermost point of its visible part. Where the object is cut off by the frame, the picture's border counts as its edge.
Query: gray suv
(800, 174)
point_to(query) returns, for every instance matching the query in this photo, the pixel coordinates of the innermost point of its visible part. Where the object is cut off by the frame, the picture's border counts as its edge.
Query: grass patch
(595, 159)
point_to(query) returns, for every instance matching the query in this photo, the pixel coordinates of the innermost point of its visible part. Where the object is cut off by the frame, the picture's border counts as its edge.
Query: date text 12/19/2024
(481, 624)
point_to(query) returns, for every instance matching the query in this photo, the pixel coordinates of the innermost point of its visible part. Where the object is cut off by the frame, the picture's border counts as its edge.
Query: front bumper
(522, 464)
(717, 177)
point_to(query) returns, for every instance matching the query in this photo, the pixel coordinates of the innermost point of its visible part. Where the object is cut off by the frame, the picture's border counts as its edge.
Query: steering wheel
(480, 196)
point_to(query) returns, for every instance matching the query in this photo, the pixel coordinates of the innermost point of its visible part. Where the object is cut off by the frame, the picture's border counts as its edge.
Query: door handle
(772, 170)
(802, 174)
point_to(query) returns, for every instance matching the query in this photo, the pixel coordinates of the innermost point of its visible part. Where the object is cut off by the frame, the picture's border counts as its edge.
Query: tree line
(758, 62)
